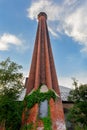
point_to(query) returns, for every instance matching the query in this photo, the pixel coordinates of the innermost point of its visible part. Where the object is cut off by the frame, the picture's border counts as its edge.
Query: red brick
(43, 71)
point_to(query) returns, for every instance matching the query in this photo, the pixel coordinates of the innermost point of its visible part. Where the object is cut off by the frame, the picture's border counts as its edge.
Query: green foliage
(37, 97)
(79, 94)
(79, 128)
(47, 121)
(75, 82)
(10, 76)
(78, 113)
(28, 127)
(10, 88)
(10, 112)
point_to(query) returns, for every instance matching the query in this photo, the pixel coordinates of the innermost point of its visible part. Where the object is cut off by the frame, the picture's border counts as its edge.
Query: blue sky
(67, 23)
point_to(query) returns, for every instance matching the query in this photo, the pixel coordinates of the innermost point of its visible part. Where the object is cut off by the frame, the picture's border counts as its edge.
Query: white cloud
(6, 40)
(70, 2)
(75, 26)
(67, 81)
(43, 5)
(69, 15)
(52, 32)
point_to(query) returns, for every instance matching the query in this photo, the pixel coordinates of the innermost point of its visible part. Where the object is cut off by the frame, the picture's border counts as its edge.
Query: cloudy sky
(67, 23)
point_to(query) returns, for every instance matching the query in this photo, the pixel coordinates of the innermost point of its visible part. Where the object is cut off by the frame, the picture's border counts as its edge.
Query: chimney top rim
(42, 14)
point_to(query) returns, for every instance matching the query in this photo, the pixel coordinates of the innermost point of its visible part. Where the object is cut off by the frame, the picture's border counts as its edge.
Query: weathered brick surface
(23, 117)
(2, 127)
(57, 115)
(40, 125)
(37, 74)
(55, 85)
(31, 79)
(33, 114)
(43, 71)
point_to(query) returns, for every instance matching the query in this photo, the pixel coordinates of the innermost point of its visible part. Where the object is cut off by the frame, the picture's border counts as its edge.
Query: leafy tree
(78, 113)
(10, 87)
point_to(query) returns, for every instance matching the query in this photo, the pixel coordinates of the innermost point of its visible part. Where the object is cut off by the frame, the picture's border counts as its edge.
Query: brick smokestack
(43, 72)
(42, 69)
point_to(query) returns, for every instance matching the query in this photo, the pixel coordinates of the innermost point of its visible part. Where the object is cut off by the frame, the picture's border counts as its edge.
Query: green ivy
(37, 97)
(80, 128)
(47, 121)
(28, 127)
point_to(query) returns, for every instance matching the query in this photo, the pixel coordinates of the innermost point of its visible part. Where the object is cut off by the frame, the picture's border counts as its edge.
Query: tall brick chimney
(42, 72)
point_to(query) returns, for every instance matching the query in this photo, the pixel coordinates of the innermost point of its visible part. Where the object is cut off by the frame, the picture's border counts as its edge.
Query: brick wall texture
(43, 71)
